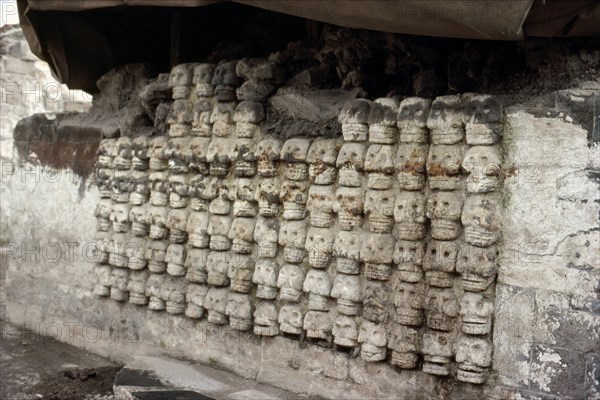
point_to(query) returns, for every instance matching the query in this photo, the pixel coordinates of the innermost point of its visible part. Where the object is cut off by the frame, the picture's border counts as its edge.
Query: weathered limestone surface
(264, 280)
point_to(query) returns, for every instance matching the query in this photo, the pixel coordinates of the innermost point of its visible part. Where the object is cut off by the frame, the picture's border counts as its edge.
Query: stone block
(557, 371)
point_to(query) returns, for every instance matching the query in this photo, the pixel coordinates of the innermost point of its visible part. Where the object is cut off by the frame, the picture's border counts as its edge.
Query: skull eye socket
(442, 340)
(446, 204)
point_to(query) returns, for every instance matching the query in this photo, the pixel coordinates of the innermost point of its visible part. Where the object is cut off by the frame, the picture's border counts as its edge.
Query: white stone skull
(318, 285)
(245, 204)
(180, 80)
(123, 153)
(379, 207)
(244, 157)
(318, 325)
(217, 266)
(117, 250)
(289, 282)
(377, 252)
(291, 319)
(383, 120)
(180, 118)
(195, 264)
(476, 312)
(477, 267)
(376, 298)
(239, 310)
(412, 120)
(266, 319)
(354, 119)
(221, 119)
(218, 154)
(248, 115)
(293, 237)
(483, 118)
(409, 302)
(437, 353)
(118, 284)
(320, 206)
(346, 290)
(294, 196)
(408, 256)
(177, 223)
(265, 276)
(241, 269)
(439, 263)
(102, 214)
(136, 253)
(445, 120)
(268, 199)
(346, 250)
(351, 164)
(153, 288)
(137, 288)
(155, 255)
(102, 275)
(175, 259)
(410, 215)
(345, 331)
(197, 229)
(483, 166)
(444, 167)
(105, 152)
(195, 296)
(216, 304)
(140, 188)
(411, 162)
(373, 341)
(319, 245)
(349, 205)
(268, 153)
(242, 235)
(481, 219)
(172, 293)
(294, 152)
(379, 165)
(158, 147)
(218, 229)
(266, 233)
(444, 210)
(198, 147)
(101, 247)
(119, 216)
(474, 357)
(203, 74)
(442, 308)
(201, 125)
(405, 343)
(322, 157)
(140, 153)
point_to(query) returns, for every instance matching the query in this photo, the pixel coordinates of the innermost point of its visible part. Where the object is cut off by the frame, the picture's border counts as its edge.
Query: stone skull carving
(244, 157)
(377, 253)
(268, 152)
(172, 293)
(266, 233)
(175, 259)
(105, 152)
(294, 152)
(474, 357)
(440, 263)
(101, 247)
(102, 275)
(354, 119)
(320, 206)
(483, 166)
(248, 115)
(198, 148)
(349, 205)
(218, 229)
(117, 250)
(319, 245)
(379, 207)
(153, 288)
(140, 153)
(122, 186)
(241, 269)
(444, 210)
(202, 80)
(137, 288)
(405, 344)
(318, 325)
(159, 185)
(180, 80)
(140, 188)
(291, 319)
(118, 284)
(218, 156)
(177, 223)
(373, 341)
(158, 159)
(379, 165)
(322, 157)
(445, 120)
(155, 255)
(268, 199)
(201, 125)
(119, 216)
(225, 81)
(239, 310)
(290, 282)
(102, 214)
(476, 312)
(245, 204)
(481, 219)
(123, 153)
(265, 276)
(346, 290)
(294, 197)
(216, 304)
(351, 164)
(383, 120)
(242, 235)
(221, 119)
(444, 167)
(293, 237)
(412, 120)
(217, 266)
(136, 253)
(345, 331)
(195, 264)
(410, 214)
(318, 285)
(483, 118)
(437, 353)
(411, 161)
(180, 118)
(409, 301)
(266, 319)
(477, 267)
(195, 296)
(376, 298)
(442, 308)
(346, 250)
(408, 256)
(197, 229)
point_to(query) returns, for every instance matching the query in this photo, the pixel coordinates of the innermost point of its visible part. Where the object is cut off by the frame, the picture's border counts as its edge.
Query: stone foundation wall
(518, 309)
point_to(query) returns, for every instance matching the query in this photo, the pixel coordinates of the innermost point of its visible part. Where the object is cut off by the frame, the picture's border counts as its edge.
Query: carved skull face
(195, 297)
(266, 232)
(410, 163)
(248, 114)
(442, 308)
(201, 125)
(155, 255)
(177, 223)
(239, 310)
(319, 245)
(445, 120)
(178, 191)
(198, 148)
(175, 259)
(373, 340)
(180, 118)
(318, 285)
(196, 228)
(118, 284)
(159, 188)
(477, 267)
(376, 251)
(412, 120)
(437, 352)
(351, 164)
(349, 204)
(225, 81)
(244, 157)
(242, 235)
(203, 74)
(268, 152)
(409, 213)
(265, 276)
(173, 294)
(119, 216)
(444, 210)
(157, 218)
(266, 319)
(408, 255)
(268, 198)
(440, 263)
(293, 237)
(122, 186)
(140, 188)
(318, 325)
(245, 204)
(346, 289)
(106, 151)
(216, 303)
(345, 331)
(102, 276)
(241, 269)
(140, 147)
(180, 80)
(346, 249)
(322, 157)
(102, 214)
(291, 319)
(481, 220)
(409, 300)
(218, 157)
(482, 163)
(221, 119)
(153, 287)
(136, 253)
(137, 288)
(482, 118)
(354, 119)
(405, 343)
(158, 158)
(474, 357)
(375, 301)
(379, 206)
(104, 180)
(290, 281)
(476, 312)
(294, 197)
(295, 152)
(379, 163)
(123, 153)
(195, 263)
(101, 247)
(320, 206)
(218, 229)
(382, 121)
(217, 266)
(443, 167)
